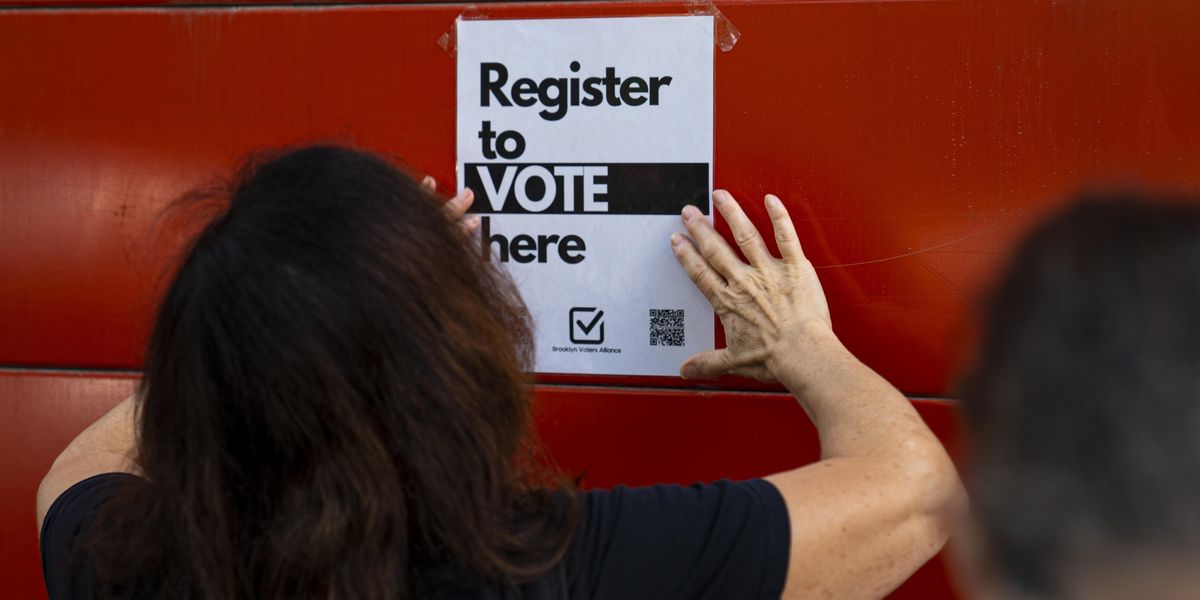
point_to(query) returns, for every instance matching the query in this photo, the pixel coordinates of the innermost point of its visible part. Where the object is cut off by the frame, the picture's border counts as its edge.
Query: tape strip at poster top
(725, 33)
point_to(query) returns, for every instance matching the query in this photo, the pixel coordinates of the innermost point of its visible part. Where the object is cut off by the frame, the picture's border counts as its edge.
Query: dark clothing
(723, 540)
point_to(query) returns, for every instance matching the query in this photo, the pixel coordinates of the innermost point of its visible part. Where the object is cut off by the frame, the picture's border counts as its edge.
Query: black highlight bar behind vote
(633, 188)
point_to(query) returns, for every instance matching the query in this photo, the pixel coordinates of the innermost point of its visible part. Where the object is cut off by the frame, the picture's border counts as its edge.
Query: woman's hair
(334, 404)
(1083, 412)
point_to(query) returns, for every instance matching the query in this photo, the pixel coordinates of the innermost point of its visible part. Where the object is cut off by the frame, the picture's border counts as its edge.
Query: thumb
(706, 365)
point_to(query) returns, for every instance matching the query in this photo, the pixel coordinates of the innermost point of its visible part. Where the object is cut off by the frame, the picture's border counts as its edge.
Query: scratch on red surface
(976, 233)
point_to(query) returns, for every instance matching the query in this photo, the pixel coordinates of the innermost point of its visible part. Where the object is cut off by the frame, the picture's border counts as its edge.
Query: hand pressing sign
(759, 303)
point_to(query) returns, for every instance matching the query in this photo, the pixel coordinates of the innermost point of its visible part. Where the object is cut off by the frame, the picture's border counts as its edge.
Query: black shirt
(722, 540)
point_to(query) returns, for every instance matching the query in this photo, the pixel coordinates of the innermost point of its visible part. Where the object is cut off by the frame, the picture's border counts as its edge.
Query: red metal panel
(39, 4)
(608, 435)
(910, 139)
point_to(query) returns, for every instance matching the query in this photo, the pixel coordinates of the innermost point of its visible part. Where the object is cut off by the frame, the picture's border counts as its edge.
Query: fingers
(706, 279)
(785, 231)
(711, 245)
(469, 224)
(706, 365)
(744, 232)
(457, 206)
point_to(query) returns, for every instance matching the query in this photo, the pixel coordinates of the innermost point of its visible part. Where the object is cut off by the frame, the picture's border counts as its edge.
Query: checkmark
(587, 329)
(590, 328)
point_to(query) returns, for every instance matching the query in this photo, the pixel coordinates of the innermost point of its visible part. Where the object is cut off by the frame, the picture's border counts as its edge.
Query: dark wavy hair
(1083, 412)
(334, 404)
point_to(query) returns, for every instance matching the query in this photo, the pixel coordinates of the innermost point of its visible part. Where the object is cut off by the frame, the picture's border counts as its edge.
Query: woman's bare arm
(106, 446)
(874, 509)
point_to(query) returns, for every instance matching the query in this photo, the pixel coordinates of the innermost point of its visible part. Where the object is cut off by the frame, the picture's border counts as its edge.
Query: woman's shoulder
(654, 502)
(68, 518)
(670, 540)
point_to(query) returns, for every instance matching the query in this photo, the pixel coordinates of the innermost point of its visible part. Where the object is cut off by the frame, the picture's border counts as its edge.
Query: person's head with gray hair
(1083, 409)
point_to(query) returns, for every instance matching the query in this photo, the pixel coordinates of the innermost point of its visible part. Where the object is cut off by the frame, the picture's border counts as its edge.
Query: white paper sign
(583, 139)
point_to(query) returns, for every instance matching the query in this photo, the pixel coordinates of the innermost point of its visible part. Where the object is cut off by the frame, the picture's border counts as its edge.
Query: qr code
(666, 327)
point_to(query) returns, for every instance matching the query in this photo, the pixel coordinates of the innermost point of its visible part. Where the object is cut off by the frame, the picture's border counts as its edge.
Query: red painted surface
(608, 435)
(37, 4)
(911, 140)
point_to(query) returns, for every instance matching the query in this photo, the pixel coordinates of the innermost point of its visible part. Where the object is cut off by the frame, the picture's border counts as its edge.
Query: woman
(334, 406)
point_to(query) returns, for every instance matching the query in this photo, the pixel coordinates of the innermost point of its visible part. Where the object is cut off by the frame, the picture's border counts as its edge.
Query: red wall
(912, 142)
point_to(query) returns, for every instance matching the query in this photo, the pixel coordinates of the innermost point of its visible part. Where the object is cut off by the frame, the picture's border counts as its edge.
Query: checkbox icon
(587, 325)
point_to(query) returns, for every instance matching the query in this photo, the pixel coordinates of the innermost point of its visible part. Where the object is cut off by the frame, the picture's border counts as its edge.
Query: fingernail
(720, 196)
(676, 239)
(773, 201)
(689, 371)
(468, 193)
(428, 180)
(690, 213)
